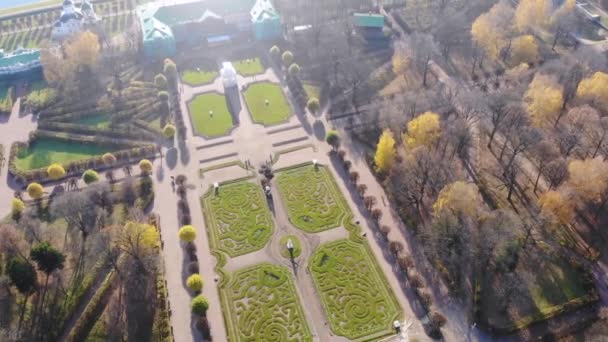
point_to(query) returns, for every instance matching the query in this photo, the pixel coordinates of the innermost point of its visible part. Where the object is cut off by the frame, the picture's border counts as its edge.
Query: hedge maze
(263, 306)
(238, 217)
(313, 201)
(355, 296)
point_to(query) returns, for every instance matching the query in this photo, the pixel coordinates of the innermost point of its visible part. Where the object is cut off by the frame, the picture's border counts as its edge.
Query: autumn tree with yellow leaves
(459, 197)
(588, 179)
(531, 13)
(557, 207)
(385, 151)
(524, 50)
(492, 30)
(423, 130)
(544, 100)
(594, 89)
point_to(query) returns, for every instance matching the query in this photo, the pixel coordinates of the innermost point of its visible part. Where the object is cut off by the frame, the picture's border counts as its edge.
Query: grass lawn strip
(238, 218)
(263, 306)
(194, 77)
(313, 202)
(353, 291)
(45, 151)
(248, 67)
(204, 123)
(276, 111)
(99, 121)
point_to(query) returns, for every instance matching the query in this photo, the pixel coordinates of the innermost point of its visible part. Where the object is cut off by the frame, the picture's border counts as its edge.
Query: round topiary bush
(160, 81)
(55, 171)
(274, 52)
(145, 166)
(195, 283)
(294, 70)
(169, 131)
(313, 105)
(187, 233)
(35, 190)
(17, 207)
(287, 58)
(90, 176)
(108, 158)
(163, 96)
(200, 305)
(438, 319)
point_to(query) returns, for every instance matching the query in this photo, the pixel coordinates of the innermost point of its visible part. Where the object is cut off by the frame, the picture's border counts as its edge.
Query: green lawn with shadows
(276, 111)
(195, 78)
(99, 121)
(313, 201)
(249, 67)
(206, 124)
(261, 304)
(44, 152)
(238, 218)
(354, 293)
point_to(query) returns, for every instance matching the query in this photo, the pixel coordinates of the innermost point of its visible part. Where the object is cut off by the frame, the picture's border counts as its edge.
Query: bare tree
(423, 48)
(544, 152)
(556, 171)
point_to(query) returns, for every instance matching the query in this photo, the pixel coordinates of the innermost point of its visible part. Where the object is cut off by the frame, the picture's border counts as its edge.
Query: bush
(169, 131)
(195, 283)
(90, 176)
(160, 81)
(287, 58)
(200, 305)
(163, 96)
(395, 247)
(347, 165)
(145, 166)
(35, 190)
(405, 262)
(376, 214)
(426, 299)
(17, 207)
(385, 230)
(313, 105)
(55, 171)
(108, 159)
(187, 233)
(416, 281)
(438, 319)
(275, 52)
(361, 189)
(294, 70)
(333, 139)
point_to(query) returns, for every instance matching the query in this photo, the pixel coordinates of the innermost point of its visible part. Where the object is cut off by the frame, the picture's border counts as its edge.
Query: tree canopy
(385, 151)
(424, 130)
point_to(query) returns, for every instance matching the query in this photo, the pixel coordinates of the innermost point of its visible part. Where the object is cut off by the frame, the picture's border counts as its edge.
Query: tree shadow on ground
(319, 130)
(184, 152)
(171, 158)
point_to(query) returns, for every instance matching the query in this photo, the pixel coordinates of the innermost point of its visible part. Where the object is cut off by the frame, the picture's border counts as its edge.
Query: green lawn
(249, 67)
(353, 291)
(312, 90)
(44, 152)
(261, 304)
(218, 124)
(238, 218)
(276, 111)
(99, 121)
(312, 199)
(193, 77)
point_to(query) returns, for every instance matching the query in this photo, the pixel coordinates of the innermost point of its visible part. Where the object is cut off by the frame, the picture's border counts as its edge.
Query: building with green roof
(22, 63)
(164, 26)
(369, 25)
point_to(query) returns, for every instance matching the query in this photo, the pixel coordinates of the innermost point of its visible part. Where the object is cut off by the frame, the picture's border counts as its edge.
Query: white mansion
(74, 19)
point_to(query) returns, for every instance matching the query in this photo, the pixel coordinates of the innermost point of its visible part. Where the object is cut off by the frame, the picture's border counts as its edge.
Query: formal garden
(249, 67)
(313, 201)
(266, 103)
(210, 115)
(355, 295)
(264, 306)
(238, 217)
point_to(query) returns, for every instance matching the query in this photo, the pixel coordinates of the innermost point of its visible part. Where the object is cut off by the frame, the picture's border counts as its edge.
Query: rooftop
(368, 20)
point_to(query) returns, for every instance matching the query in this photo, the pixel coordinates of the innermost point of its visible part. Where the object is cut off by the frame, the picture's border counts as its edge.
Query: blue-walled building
(22, 63)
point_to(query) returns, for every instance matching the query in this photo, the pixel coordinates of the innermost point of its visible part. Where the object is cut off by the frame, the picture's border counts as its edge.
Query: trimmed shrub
(385, 230)
(169, 131)
(163, 96)
(416, 281)
(405, 262)
(200, 305)
(275, 52)
(294, 70)
(361, 189)
(17, 207)
(160, 81)
(55, 171)
(376, 214)
(395, 246)
(195, 283)
(90, 176)
(438, 319)
(313, 105)
(426, 299)
(108, 159)
(333, 139)
(287, 58)
(145, 166)
(187, 233)
(35, 190)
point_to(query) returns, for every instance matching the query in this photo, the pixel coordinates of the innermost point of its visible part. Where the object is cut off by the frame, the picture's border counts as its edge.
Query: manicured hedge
(125, 132)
